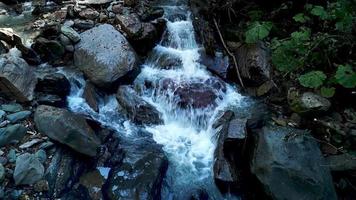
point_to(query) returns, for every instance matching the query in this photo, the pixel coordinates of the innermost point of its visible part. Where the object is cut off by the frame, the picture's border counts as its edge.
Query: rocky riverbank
(49, 152)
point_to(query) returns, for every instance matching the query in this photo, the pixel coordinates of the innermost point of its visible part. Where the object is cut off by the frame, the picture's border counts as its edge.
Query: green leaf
(257, 31)
(327, 92)
(313, 79)
(320, 12)
(345, 76)
(300, 17)
(302, 35)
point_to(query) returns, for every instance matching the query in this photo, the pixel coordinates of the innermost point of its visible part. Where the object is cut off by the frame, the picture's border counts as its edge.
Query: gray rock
(2, 115)
(289, 165)
(83, 24)
(41, 155)
(67, 128)
(343, 162)
(93, 2)
(18, 116)
(13, 107)
(70, 33)
(104, 55)
(11, 156)
(136, 108)
(91, 96)
(17, 79)
(28, 170)
(11, 133)
(313, 102)
(2, 173)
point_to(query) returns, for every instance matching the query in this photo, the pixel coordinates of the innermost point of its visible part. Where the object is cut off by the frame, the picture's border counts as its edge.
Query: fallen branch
(230, 53)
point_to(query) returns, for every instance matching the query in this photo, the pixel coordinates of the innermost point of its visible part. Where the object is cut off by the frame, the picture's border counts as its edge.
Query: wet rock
(18, 116)
(229, 150)
(151, 14)
(17, 79)
(67, 128)
(254, 64)
(50, 99)
(217, 64)
(70, 33)
(130, 24)
(49, 50)
(52, 82)
(3, 48)
(13, 107)
(11, 156)
(197, 93)
(104, 55)
(93, 182)
(11, 133)
(289, 165)
(141, 173)
(343, 162)
(91, 96)
(137, 109)
(28, 170)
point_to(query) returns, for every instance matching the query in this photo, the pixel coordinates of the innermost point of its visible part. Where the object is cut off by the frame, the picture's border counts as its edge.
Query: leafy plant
(345, 76)
(327, 91)
(257, 31)
(313, 79)
(301, 17)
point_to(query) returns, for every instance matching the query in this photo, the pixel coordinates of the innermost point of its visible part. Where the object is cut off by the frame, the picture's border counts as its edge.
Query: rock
(229, 150)
(130, 3)
(93, 182)
(254, 64)
(141, 173)
(93, 2)
(52, 82)
(289, 165)
(89, 14)
(2, 173)
(104, 55)
(217, 64)
(195, 93)
(67, 128)
(9, 36)
(11, 133)
(2, 115)
(343, 162)
(11, 156)
(130, 24)
(83, 24)
(17, 79)
(50, 99)
(49, 50)
(41, 155)
(136, 108)
(30, 143)
(19, 116)
(3, 48)
(70, 33)
(28, 170)
(41, 186)
(13, 107)
(91, 96)
(309, 103)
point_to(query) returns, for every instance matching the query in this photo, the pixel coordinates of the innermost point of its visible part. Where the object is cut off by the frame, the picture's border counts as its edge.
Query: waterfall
(186, 135)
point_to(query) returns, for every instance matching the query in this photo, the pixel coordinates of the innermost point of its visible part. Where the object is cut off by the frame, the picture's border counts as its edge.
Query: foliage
(345, 76)
(313, 79)
(327, 91)
(257, 31)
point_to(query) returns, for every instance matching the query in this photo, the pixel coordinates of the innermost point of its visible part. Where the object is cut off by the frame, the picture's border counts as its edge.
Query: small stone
(28, 170)
(2, 114)
(41, 186)
(83, 24)
(3, 160)
(2, 173)
(69, 48)
(14, 107)
(70, 33)
(19, 116)
(4, 123)
(46, 145)
(11, 156)
(12, 133)
(64, 40)
(41, 155)
(89, 14)
(30, 143)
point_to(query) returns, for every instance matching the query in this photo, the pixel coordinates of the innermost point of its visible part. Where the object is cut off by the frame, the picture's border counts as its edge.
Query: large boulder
(289, 165)
(17, 79)
(104, 55)
(28, 169)
(141, 173)
(67, 128)
(136, 108)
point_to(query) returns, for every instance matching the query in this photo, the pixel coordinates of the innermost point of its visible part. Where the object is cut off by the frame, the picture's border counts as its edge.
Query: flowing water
(187, 136)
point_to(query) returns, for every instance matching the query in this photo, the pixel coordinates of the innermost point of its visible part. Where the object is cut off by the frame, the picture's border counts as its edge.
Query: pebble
(11, 156)
(18, 116)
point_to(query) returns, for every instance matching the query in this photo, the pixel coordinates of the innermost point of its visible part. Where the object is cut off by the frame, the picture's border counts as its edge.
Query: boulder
(52, 82)
(136, 108)
(49, 50)
(104, 55)
(28, 170)
(309, 103)
(67, 128)
(289, 165)
(217, 64)
(17, 79)
(91, 96)
(141, 173)
(254, 64)
(11, 133)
